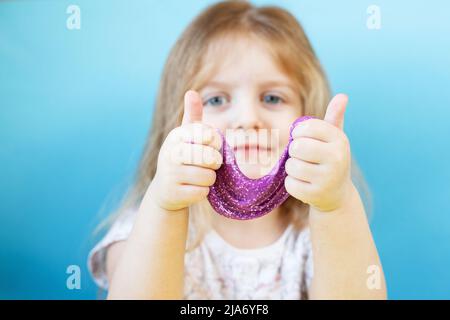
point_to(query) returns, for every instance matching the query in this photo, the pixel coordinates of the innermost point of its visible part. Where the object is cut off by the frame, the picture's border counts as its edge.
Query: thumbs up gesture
(187, 159)
(318, 170)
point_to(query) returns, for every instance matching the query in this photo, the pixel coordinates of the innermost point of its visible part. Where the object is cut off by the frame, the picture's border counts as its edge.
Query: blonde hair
(185, 69)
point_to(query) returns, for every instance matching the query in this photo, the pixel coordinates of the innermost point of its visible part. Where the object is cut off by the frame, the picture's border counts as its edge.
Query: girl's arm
(346, 262)
(151, 264)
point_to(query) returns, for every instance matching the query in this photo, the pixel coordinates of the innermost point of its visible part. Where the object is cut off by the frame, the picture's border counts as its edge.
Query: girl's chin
(256, 164)
(254, 170)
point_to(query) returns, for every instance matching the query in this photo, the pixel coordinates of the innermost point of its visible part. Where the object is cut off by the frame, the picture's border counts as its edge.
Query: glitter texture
(236, 196)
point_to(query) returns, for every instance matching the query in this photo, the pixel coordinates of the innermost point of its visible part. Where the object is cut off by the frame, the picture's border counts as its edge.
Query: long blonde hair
(184, 69)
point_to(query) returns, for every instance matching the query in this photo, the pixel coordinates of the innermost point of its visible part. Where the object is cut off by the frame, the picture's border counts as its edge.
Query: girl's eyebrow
(217, 84)
(278, 83)
(265, 84)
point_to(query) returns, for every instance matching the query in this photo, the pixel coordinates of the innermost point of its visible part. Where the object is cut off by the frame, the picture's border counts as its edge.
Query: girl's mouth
(251, 148)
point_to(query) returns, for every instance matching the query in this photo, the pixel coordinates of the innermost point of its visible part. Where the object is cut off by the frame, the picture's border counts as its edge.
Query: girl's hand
(319, 167)
(187, 159)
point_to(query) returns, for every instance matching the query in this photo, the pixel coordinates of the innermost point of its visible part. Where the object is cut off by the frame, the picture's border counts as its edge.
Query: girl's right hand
(187, 159)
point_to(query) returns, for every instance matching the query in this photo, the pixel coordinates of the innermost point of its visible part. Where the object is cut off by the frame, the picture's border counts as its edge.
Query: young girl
(239, 68)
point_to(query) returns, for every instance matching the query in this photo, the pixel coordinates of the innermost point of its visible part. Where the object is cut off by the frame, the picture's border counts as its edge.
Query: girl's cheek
(210, 120)
(215, 121)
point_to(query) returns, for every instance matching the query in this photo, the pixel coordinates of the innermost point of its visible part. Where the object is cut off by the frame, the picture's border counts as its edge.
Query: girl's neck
(252, 234)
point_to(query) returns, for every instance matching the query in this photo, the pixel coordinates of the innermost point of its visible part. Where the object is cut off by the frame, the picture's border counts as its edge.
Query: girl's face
(253, 103)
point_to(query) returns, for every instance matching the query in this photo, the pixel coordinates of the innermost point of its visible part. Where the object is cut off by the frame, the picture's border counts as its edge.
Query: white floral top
(217, 270)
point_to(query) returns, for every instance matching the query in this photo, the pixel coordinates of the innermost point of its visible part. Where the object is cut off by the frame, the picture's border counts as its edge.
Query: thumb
(336, 109)
(193, 107)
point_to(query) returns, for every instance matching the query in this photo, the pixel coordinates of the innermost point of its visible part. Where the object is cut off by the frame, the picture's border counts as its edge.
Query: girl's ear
(193, 107)
(336, 110)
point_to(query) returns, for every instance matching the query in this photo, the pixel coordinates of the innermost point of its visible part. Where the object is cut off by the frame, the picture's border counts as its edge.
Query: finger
(307, 149)
(297, 188)
(301, 170)
(193, 107)
(197, 133)
(336, 110)
(197, 176)
(197, 155)
(191, 193)
(315, 129)
(200, 133)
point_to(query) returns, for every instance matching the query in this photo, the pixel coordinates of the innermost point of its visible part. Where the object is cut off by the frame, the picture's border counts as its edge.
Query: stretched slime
(236, 196)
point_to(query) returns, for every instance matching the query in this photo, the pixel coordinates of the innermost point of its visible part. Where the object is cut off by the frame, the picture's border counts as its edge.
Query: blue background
(75, 107)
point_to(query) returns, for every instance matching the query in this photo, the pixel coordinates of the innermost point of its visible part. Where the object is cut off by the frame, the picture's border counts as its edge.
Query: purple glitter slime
(236, 196)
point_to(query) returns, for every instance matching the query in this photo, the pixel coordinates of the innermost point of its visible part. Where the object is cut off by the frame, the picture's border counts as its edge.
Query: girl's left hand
(319, 165)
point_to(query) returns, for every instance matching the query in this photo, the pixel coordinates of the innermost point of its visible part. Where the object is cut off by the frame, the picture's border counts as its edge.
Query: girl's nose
(247, 117)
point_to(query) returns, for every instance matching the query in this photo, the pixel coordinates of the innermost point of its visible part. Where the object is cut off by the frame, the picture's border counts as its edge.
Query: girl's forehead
(240, 59)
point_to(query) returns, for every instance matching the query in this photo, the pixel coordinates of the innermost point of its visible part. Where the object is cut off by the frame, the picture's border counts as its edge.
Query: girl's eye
(272, 99)
(216, 101)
